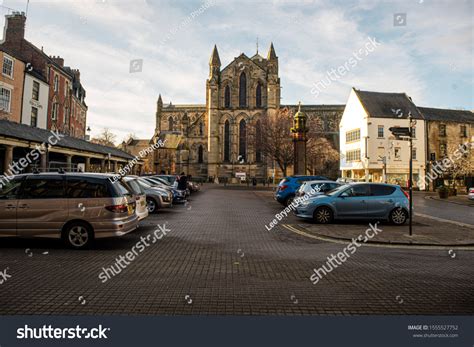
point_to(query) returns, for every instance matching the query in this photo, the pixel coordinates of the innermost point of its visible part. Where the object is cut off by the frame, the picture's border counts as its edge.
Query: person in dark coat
(183, 182)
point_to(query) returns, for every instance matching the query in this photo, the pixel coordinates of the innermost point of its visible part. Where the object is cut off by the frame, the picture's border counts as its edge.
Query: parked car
(76, 207)
(138, 194)
(194, 187)
(156, 197)
(471, 194)
(320, 187)
(286, 190)
(172, 179)
(179, 196)
(358, 201)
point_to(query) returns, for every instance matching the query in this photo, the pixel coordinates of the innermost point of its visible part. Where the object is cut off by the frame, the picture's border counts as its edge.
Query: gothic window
(258, 95)
(227, 141)
(243, 90)
(170, 124)
(258, 142)
(201, 129)
(200, 155)
(227, 97)
(242, 140)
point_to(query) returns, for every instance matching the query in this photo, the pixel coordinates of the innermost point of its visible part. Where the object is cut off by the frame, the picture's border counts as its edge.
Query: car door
(42, 207)
(380, 201)
(352, 202)
(9, 191)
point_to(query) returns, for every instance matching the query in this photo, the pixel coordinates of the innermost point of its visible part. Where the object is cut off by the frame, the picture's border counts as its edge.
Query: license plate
(143, 203)
(130, 209)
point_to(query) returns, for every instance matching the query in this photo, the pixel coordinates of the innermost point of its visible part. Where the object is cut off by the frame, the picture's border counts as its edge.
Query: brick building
(66, 94)
(11, 86)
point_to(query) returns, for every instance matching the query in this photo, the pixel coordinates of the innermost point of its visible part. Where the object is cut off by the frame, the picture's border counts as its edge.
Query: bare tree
(321, 157)
(276, 142)
(105, 138)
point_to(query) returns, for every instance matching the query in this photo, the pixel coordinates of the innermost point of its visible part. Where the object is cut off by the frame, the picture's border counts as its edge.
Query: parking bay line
(328, 239)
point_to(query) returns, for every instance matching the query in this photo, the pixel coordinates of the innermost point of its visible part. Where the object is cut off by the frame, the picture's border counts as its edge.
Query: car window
(358, 190)
(379, 190)
(332, 186)
(135, 187)
(9, 189)
(337, 189)
(143, 184)
(86, 187)
(43, 188)
(318, 187)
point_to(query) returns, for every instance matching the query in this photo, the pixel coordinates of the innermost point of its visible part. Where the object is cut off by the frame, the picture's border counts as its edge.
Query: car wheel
(289, 200)
(398, 216)
(323, 215)
(151, 205)
(78, 235)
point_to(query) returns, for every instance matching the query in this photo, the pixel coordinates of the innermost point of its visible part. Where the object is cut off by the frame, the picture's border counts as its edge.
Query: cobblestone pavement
(219, 259)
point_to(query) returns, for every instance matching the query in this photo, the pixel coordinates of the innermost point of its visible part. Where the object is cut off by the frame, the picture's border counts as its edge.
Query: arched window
(227, 97)
(227, 141)
(170, 124)
(201, 129)
(258, 95)
(200, 155)
(243, 90)
(258, 142)
(242, 140)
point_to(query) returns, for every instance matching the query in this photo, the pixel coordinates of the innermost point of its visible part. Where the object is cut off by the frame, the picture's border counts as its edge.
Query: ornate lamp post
(299, 141)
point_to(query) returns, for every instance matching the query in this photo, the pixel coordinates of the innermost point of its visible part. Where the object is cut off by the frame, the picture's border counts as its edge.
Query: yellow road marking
(328, 239)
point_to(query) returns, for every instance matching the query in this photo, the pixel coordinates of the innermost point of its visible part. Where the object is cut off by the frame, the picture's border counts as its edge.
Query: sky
(424, 48)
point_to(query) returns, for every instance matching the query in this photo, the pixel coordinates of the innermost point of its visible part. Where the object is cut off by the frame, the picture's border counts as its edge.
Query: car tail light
(471, 190)
(283, 187)
(406, 194)
(117, 208)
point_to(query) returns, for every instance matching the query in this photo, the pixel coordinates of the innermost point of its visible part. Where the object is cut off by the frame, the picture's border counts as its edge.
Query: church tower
(273, 81)
(212, 105)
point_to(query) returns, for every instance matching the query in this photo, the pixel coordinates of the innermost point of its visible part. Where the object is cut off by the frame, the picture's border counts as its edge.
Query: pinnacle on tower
(271, 52)
(215, 61)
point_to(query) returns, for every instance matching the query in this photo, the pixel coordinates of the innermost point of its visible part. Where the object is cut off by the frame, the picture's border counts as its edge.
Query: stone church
(217, 139)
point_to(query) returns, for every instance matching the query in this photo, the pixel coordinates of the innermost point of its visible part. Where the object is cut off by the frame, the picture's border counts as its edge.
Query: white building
(35, 100)
(369, 151)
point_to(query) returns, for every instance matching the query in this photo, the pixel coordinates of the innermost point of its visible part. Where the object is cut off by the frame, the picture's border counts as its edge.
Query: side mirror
(344, 195)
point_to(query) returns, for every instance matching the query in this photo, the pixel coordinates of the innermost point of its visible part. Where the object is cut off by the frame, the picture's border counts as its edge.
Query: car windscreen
(143, 184)
(159, 179)
(121, 188)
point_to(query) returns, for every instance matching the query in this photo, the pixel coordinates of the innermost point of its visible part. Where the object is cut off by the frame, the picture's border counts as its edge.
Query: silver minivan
(77, 207)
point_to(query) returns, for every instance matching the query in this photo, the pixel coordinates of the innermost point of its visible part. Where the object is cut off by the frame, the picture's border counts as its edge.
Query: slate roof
(445, 115)
(387, 105)
(37, 135)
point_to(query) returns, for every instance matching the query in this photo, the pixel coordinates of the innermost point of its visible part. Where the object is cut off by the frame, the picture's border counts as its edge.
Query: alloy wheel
(78, 236)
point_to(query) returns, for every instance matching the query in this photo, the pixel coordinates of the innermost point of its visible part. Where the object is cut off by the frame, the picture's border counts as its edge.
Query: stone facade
(219, 137)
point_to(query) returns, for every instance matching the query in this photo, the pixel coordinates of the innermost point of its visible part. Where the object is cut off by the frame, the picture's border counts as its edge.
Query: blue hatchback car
(358, 201)
(286, 190)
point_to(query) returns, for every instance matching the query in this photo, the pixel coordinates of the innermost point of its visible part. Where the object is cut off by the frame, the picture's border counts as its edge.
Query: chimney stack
(58, 60)
(15, 27)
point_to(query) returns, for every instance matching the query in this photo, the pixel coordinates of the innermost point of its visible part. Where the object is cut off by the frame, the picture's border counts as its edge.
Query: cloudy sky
(429, 55)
